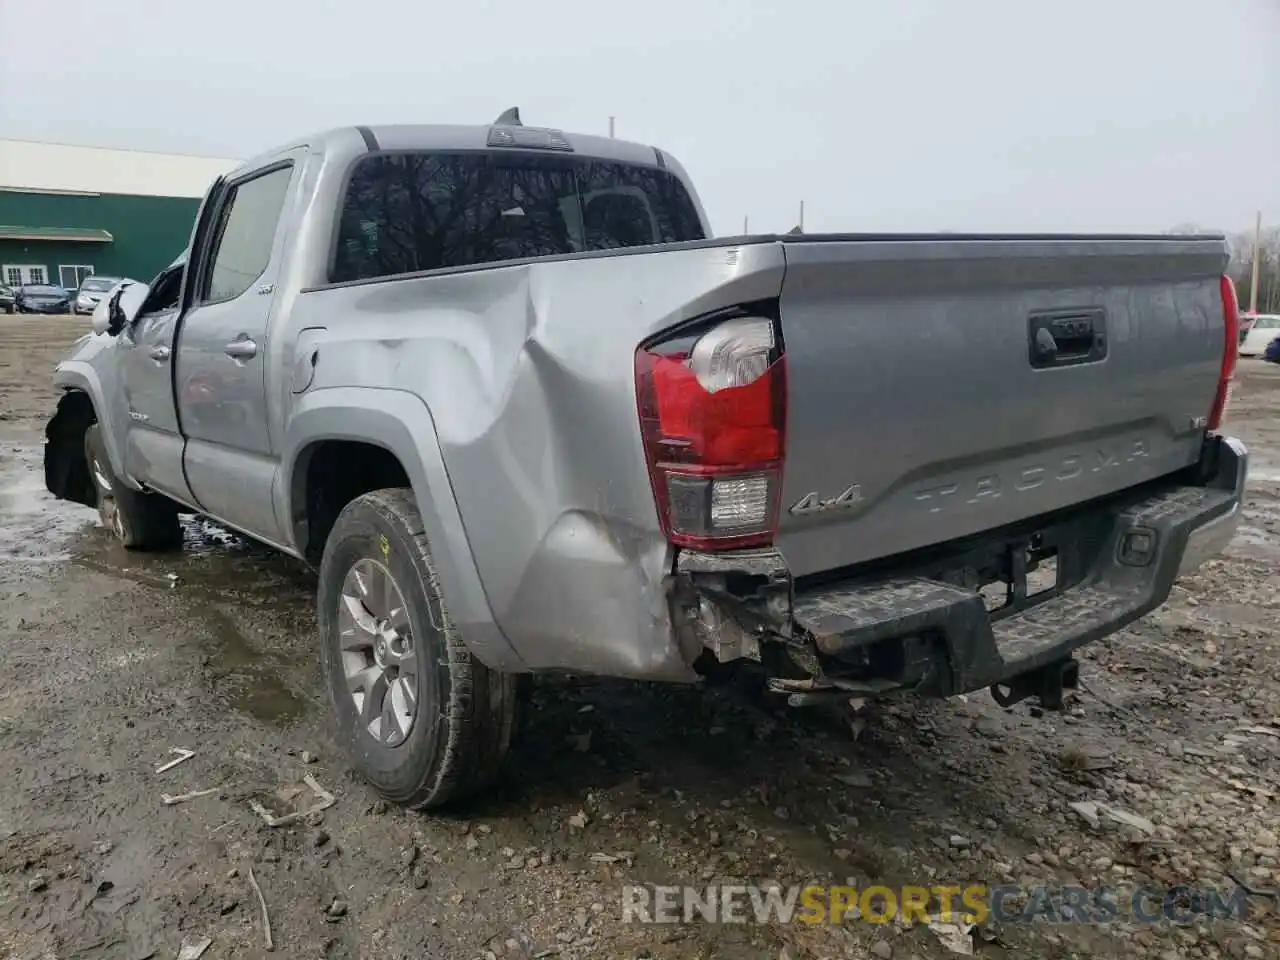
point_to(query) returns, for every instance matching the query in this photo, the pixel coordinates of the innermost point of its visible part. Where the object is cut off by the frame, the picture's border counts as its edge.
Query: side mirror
(117, 310)
(101, 320)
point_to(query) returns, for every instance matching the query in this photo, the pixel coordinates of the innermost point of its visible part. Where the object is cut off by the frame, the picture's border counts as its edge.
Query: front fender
(90, 368)
(401, 423)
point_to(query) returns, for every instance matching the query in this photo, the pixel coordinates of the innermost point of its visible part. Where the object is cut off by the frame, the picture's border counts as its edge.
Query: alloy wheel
(378, 655)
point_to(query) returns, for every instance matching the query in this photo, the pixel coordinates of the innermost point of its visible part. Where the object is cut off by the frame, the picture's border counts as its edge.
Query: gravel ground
(111, 659)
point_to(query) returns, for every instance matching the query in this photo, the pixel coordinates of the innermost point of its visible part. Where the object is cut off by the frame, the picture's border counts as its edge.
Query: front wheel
(140, 521)
(422, 721)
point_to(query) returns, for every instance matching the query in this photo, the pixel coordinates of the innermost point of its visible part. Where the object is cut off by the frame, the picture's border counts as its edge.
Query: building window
(71, 275)
(22, 274)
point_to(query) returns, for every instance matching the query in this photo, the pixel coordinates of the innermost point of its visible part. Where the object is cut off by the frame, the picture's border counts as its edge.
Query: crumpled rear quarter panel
(528, 371)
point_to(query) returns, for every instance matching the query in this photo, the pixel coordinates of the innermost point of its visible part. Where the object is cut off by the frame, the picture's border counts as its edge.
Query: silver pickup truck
(502, 389)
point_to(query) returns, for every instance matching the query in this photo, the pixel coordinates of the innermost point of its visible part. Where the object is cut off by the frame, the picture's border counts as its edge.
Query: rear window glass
(100, 283)
(1267, 323)
(409, 212)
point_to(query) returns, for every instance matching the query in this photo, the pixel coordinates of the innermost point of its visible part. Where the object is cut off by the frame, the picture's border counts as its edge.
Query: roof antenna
(509, 118)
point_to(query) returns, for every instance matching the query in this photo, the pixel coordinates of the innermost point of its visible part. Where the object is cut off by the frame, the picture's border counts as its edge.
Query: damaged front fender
(88, 379)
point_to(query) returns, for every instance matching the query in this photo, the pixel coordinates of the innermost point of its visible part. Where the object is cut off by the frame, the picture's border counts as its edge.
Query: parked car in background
(1263, 328)
(1272, 353)
(7, 299)
(92, 290)
(43, 298)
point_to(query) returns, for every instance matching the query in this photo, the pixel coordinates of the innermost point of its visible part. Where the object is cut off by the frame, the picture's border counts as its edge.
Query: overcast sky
(910, 115)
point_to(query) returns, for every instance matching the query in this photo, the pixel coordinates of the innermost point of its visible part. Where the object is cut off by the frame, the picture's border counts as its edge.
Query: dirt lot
(108, 660)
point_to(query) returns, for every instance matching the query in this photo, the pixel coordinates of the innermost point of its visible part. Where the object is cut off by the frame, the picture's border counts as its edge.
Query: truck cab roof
(345, 143)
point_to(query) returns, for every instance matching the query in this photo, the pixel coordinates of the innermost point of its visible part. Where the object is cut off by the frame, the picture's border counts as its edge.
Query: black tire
(465, 712)
(140, 521)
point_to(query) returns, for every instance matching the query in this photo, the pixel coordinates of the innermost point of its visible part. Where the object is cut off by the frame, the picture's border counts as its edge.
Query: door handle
(241, 348)
(160, 353)
(1064, 338)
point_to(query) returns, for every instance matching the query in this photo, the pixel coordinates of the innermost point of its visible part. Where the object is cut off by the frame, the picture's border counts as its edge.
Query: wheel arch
(77, 377)
(400, 424)
(66, 468)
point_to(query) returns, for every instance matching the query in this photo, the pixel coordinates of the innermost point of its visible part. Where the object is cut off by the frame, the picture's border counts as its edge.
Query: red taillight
(713, 418)
(1231, 351)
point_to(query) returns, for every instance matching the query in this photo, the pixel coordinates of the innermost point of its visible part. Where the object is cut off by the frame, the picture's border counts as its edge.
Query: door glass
(246, 233)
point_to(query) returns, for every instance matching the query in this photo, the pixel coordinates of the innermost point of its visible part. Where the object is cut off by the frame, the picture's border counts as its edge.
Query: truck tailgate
(942, 386)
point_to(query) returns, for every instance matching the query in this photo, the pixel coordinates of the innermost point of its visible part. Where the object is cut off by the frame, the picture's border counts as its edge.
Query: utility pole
(801, 216)
(1257, 260)
(746, 231)
(611, 119)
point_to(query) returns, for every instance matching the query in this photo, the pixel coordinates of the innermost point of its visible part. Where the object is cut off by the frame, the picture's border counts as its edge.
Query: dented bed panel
(528, 372)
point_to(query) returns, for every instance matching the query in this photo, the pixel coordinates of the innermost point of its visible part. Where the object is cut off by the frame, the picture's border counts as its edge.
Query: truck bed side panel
(528, 371)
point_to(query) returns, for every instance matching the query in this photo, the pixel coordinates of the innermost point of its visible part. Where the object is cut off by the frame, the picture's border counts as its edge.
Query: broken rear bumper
(1118, 562)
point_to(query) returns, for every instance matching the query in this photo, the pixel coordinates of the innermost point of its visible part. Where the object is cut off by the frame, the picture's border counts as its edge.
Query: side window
(246, 232)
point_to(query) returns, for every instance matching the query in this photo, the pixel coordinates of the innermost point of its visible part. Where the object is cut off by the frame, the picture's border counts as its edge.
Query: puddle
(213, 562)
(248, 679)
(34, 527)
(214, 567)
(219, 568)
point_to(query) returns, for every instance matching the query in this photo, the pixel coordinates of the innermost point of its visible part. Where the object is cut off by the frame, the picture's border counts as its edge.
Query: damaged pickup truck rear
(501, 388)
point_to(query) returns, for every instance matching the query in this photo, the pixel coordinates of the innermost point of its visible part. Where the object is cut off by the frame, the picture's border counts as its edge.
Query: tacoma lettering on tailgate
(1065, 469)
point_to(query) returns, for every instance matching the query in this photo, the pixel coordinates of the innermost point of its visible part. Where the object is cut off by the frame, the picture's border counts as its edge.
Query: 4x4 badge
(812, 503)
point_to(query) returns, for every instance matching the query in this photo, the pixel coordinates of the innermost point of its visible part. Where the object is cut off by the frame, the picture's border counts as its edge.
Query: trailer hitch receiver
(1045, 684)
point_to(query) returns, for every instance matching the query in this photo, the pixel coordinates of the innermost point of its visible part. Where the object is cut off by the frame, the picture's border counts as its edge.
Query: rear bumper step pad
(1189, 524)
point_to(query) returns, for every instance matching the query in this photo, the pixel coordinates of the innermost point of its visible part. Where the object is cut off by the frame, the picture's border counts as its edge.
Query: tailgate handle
(1064, 338)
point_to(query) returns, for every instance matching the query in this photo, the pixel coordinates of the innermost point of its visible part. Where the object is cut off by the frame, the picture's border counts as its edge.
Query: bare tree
(1240, 268)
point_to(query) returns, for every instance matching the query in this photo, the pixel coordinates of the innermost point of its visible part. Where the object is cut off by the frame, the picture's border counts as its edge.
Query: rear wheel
(422, 721)
(141, 521)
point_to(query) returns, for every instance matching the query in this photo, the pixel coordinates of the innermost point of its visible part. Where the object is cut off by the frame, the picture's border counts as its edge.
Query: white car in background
(93, 289)
(1263, 328)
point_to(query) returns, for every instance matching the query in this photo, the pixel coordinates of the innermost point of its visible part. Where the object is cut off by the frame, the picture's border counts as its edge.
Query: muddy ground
(107, 660)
